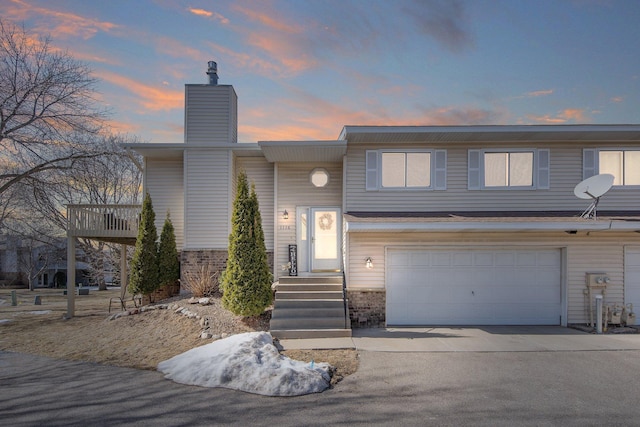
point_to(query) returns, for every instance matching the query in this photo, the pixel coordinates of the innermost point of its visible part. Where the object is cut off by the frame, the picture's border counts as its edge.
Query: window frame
(593, 168)
(437, 172)
(539, 169)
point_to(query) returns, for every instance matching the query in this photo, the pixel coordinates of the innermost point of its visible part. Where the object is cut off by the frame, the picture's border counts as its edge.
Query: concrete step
(307, 323)
(310, 333)
(307, 303)
(302, 312)
(312, 279)
(294, 287)
(280, 295)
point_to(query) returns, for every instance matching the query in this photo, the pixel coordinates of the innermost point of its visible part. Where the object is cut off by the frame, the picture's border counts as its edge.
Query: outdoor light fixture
(285, 214)
(368, 262)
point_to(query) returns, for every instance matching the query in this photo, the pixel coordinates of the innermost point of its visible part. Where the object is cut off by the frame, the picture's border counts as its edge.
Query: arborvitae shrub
(246, 282)
(168, 262)
(144, 264)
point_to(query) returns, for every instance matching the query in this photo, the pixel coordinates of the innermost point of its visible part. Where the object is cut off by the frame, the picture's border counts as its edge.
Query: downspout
(276, 272)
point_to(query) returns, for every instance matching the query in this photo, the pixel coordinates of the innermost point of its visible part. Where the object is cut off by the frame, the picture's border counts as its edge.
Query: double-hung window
(525, 169)
(406, 169)
(623, 164)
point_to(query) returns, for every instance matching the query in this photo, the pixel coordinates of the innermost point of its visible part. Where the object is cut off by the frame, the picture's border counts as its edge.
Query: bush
(168, 262)
(201, 283)
(246, 282)
(144, 264)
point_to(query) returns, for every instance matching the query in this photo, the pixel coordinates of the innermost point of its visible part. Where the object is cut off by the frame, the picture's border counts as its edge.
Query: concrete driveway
(473, 339)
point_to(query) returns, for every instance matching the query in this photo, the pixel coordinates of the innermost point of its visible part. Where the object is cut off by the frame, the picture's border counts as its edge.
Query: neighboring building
(46, 264)
(430, 225)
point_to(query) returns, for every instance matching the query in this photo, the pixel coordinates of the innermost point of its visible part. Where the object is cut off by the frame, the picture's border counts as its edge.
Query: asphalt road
(471, 388)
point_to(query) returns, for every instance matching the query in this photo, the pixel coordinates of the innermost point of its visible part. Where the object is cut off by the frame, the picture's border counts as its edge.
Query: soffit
(465, 134)
(489, 221)
(303, 151)
(175, 151)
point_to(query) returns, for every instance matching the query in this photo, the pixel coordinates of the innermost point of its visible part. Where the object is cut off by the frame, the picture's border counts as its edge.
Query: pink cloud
(209, 14)
(285, 43)
(575, 115)
(149, 97)
(174, 48)
(617, 99)
(63, 24)
(537, 93)
(268, 21)
(244, 61)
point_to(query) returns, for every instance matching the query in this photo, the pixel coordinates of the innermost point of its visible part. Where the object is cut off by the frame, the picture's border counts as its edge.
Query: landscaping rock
(204, 301)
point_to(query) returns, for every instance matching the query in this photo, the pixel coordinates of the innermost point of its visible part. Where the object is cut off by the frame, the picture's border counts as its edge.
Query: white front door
(325, 226)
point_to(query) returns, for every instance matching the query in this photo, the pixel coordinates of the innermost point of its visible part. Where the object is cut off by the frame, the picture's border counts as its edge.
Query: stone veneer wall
(191, 260)
(367, 308)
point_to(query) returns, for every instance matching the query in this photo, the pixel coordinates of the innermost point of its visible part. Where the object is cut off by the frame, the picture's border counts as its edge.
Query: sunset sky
(302, 69)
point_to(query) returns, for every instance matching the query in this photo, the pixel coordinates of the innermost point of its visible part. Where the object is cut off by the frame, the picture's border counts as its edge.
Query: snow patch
(39, 312)
(5, 320)
(247, 362)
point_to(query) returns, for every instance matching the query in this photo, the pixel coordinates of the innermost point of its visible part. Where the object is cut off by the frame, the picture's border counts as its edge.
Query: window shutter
(474, 170)
(371, 170)
(440, 169)
(543, 169)
(588, 163)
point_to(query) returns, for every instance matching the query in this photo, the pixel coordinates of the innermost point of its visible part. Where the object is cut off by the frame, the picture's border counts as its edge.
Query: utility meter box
(597, 280)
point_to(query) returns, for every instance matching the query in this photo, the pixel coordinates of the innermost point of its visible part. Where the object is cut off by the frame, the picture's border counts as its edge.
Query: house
(422, 225)
(24, 260)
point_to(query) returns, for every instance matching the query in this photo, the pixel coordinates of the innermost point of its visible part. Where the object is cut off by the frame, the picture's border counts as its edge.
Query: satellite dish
(593, 188)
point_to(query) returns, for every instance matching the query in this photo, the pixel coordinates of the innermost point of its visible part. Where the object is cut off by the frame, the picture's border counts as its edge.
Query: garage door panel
(505, 259)
(632, 277)
(462, 259)
(480, 286)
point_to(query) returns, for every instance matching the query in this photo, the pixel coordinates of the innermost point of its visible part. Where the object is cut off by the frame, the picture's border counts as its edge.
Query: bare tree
(112, 178)
(47, 101)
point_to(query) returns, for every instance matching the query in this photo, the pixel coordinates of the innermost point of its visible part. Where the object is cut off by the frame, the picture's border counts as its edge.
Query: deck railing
(103, 221)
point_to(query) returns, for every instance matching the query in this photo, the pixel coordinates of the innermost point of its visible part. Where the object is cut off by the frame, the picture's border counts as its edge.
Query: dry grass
(202, 282)
(140, 341)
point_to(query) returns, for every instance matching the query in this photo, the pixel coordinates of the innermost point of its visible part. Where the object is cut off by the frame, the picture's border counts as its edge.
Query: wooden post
(123, 271)
(71, 276)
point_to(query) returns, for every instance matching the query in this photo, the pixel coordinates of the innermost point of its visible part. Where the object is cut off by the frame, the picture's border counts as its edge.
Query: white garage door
(632, 277)
(474, 287)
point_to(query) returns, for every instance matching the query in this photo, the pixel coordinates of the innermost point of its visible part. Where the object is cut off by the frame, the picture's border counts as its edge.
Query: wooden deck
(109, 223)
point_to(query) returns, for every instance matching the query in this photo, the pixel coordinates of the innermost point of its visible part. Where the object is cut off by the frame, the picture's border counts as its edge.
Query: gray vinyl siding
(210, 114)
(565, 173)
(207, 195)
(260, 173)
(163, 181)
(584, 254)
(582, 259)
(295, 189)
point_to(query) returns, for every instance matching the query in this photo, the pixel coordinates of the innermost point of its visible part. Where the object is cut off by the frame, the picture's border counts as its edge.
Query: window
(508, 169)
(410, 169)
(406, 170)
(624, 165)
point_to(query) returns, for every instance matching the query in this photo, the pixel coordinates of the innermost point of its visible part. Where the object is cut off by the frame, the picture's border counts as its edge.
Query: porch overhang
(303, 151)
(474, 223)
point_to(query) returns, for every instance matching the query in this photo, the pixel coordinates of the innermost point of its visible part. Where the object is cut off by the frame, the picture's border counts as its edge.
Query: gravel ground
(138, 340)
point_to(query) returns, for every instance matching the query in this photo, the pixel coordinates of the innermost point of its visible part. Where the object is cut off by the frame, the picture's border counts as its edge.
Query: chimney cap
(212, 72)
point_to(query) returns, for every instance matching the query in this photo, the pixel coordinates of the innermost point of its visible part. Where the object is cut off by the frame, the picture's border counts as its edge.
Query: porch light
(285, 214)
(368, 262)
